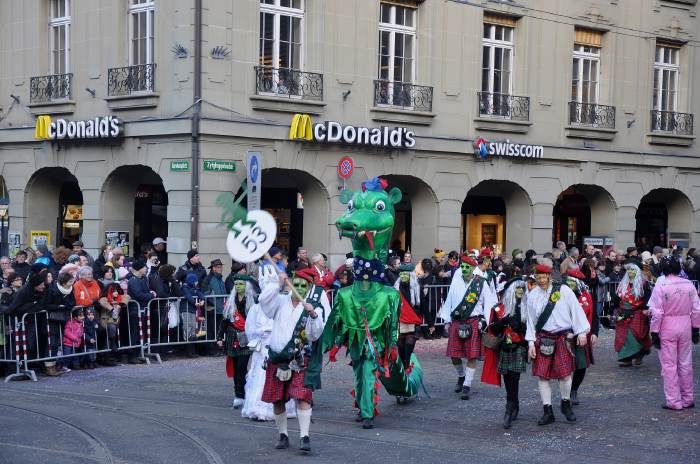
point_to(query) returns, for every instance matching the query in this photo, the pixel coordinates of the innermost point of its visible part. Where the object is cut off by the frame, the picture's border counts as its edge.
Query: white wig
(509, 300)
(637, 283)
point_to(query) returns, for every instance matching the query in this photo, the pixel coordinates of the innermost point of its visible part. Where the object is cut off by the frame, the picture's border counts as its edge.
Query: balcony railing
(44, 89)
(592, 114)
(504, 106)
(670, 121)
(403, 95)
(131, 79)
(289, 83)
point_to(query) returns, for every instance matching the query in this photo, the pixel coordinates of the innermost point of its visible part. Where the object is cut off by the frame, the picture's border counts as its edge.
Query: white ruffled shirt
(457, 291)
(567, 313)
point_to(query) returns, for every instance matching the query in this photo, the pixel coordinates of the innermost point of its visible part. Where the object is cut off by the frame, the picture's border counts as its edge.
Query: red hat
(485, 252)
(575, 273)
(465, 258)
(543, 269)
(306, 274)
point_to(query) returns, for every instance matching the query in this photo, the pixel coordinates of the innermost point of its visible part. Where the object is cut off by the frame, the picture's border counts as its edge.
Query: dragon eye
(380, 206)
(351, 205)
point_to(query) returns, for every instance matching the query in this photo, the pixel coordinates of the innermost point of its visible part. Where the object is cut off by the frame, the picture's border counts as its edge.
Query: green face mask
(631, 273)
(240, 285)
(467, 270)
(301, 286)
(519, 291)
(405, 276)
(571, 284)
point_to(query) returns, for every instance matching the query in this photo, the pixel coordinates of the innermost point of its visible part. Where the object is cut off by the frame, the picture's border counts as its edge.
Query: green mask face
(519, 291)
(467, 270)
(571, 284)
(405, 276)
(301, 286)
(631, 273)
(240, 285)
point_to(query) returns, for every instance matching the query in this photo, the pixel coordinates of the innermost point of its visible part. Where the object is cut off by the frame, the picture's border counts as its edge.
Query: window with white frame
(141, 28)
(281, 24)
(396, 61)
(59, 36)
(666, 67)
(497, 59)
(585, 74)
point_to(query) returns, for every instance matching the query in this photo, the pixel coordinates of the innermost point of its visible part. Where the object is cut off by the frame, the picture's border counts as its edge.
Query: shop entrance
(663, 219)
(581, 211)
(53, 208)
(135, 207)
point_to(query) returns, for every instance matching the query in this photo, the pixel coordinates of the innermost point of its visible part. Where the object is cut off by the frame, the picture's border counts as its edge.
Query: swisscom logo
(60, 129)
(483, 148)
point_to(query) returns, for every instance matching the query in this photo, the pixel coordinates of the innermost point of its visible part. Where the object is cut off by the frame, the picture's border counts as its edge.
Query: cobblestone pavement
(179, 412)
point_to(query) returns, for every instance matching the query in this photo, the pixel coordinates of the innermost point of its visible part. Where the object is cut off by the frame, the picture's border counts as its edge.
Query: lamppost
(4, 226)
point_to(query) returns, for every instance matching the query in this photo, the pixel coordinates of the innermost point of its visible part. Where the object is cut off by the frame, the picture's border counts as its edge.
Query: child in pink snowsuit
(675, 308)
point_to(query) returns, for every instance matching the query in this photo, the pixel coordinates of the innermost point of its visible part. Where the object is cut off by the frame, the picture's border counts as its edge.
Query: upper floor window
(397, 40)
(141, 26)
(666, 68)
(281, 33)
(585, 78)
(59, 36)
(497, 56)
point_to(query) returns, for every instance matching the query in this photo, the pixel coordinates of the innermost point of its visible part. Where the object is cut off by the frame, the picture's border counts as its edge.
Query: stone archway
(664, 217)
(583, 210)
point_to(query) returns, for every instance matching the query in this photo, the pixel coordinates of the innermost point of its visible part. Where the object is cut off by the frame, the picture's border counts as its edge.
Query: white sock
(460, 369)
(565, 387)
(304, 417)
(469, 376)
(545, 392)
(281, 422)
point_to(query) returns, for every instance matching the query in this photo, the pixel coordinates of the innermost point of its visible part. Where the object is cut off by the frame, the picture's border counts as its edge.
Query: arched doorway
(582, 211)
(53, 208)
(497, 214)
(415, 226)
(299, 203)
(664, 218)
(135, 206)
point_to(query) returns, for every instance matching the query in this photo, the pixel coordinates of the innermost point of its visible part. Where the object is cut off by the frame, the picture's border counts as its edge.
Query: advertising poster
(39, 237)
(118, 239)
(14, 243)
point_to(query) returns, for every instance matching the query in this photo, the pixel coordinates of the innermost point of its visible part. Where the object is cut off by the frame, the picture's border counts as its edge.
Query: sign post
(254, 168)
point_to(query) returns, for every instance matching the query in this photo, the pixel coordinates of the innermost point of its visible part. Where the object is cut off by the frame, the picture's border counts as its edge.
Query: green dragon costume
(365, 316)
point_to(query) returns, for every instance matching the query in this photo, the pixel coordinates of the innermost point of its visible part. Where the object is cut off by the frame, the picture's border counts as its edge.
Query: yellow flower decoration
(471, 298)
(555, 297)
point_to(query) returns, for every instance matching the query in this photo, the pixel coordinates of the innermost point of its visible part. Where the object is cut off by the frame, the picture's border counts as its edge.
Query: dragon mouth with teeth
(354, 233)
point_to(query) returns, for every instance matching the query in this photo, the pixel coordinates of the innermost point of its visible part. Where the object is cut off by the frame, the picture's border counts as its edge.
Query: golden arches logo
(301, 128)
(41, 131)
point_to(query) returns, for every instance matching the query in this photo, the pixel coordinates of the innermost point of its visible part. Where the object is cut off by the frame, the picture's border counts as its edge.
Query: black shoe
(547, 417)
(305, 445)
(508, 416)
(568, 411)
(574, 397)
(283, 442)
(135, 361)
(367, 424)
(465, 393)
(358, 418)
(458, 387)
(516, 410)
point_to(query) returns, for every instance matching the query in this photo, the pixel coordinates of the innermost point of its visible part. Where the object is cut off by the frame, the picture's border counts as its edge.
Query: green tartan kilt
(512, 361)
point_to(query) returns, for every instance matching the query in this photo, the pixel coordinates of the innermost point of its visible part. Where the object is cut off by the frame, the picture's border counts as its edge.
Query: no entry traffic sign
(345, 167)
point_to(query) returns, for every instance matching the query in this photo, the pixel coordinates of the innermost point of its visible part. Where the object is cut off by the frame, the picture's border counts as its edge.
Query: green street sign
(219, 166)
(180, 165)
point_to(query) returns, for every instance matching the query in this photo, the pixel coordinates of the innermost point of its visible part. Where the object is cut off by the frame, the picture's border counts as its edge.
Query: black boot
(283, 442)
(574, 397)
(367, 424)
(567, 410)
(305, 445)
(516, 410)
(465, 393)
(508, 416)
(458, 387)
(548, 416)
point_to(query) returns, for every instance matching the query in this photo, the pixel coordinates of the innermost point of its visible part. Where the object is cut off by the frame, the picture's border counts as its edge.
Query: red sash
(407, 315)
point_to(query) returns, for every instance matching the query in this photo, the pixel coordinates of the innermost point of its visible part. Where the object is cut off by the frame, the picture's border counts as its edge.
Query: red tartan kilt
(276, 390)
(557, 366)
(639, 324)
(464, 348)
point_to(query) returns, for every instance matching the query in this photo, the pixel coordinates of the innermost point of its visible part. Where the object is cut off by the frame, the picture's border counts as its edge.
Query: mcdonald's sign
(41, 131)
(98, 128)
(301, 128)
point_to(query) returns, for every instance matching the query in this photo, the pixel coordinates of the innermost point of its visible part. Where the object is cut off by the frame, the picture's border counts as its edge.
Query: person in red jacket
(583, 354)
(323, 277)
(73, 337)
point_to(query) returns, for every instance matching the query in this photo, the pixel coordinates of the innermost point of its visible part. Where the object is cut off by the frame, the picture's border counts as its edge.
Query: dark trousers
(240, 369)
(512, 383)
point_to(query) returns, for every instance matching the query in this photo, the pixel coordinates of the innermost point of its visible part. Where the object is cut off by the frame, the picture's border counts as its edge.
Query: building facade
(512, 124)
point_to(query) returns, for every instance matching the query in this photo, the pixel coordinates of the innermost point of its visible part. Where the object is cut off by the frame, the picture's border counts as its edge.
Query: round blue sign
(254, 168)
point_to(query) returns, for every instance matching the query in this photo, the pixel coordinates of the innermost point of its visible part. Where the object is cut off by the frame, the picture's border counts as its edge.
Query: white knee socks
(565, 387)
(546, 391)
(469, 376)
(304, 416)
(281, 422)
(460, 369)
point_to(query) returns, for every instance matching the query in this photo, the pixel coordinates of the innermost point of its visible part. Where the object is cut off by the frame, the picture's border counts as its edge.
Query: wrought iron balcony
(592, 114)
(289, 83)
(403, 95)
(44, 89)
(670, 121)
(500, 105)
(131, 79)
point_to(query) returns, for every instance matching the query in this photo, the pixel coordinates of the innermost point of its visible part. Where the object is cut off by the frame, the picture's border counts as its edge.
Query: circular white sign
(249, 240)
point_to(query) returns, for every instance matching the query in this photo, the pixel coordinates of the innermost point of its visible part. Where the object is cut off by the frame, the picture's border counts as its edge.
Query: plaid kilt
(276, 390)
(638, 323)
(514, 360)
(557, 366)
(464, 348)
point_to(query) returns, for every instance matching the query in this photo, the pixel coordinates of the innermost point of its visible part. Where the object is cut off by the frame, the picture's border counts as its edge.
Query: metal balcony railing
(504, 106)
(592, 114)
(670, 121)
(50, 88)
(289, 83)
(403, 95)
(131, 79)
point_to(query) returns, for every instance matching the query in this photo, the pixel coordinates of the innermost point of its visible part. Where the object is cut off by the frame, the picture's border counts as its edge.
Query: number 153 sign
(249, 239)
